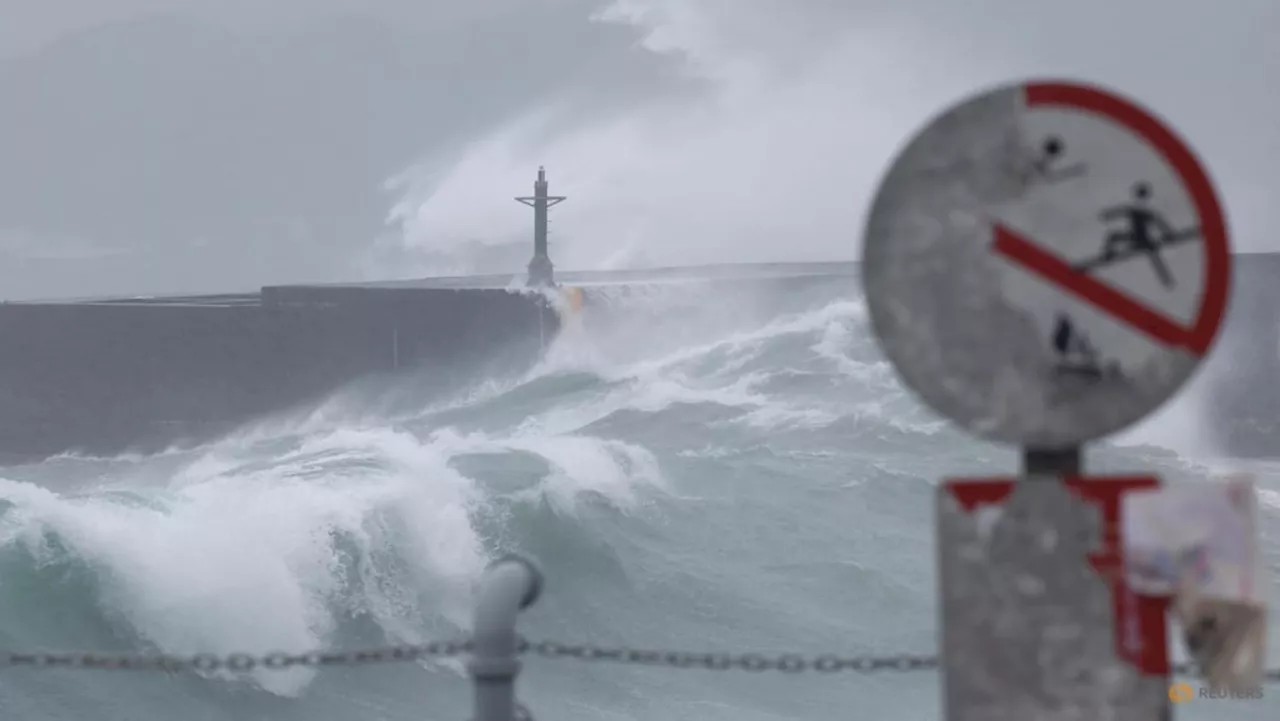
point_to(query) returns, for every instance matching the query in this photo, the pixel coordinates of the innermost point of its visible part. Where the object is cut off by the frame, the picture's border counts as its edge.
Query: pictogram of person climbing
(1144, 232)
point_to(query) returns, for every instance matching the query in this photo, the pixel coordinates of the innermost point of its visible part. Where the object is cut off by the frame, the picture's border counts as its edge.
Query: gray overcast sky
(238, 142)
(31, 23)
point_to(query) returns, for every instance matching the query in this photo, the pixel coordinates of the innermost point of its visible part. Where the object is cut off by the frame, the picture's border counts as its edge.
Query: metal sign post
(1045, 264)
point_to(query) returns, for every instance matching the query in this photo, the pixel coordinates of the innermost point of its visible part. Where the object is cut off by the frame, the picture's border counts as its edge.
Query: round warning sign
(1046, 263)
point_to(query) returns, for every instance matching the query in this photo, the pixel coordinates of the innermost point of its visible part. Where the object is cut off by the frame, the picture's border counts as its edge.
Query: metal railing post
(510, 585)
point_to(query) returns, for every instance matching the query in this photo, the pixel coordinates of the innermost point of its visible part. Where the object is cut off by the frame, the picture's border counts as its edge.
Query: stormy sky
(202, 145)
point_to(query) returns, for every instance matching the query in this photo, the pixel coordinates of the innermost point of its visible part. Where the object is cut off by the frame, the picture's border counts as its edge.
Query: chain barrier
(234, 661)
(751, 662)
(786, 663)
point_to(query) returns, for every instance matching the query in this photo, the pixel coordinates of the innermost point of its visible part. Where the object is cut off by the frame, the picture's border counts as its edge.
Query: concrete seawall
(103, 377)
(106, 376)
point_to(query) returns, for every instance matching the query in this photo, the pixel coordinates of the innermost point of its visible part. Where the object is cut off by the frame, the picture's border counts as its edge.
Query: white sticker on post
(1199, 545)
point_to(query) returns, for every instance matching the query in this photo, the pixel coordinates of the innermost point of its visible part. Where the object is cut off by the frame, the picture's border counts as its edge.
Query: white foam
(248, 561)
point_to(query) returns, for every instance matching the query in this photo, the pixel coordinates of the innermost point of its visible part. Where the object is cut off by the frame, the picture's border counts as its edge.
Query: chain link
(752, 662)
(786, 663)
(235, 661)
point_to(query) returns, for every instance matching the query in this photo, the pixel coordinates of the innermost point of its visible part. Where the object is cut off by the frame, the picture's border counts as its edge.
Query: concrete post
(510, 585)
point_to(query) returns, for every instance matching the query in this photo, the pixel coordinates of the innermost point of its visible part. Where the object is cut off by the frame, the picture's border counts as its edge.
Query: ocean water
(694, 469)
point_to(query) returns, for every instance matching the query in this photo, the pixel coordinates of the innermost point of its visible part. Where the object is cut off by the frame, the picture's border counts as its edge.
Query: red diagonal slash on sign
(1197, 338)
(1023, 252)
